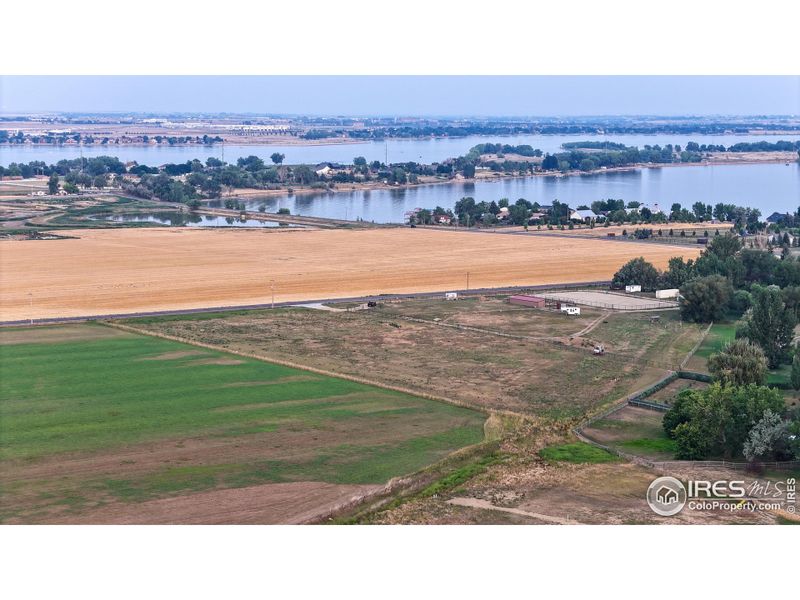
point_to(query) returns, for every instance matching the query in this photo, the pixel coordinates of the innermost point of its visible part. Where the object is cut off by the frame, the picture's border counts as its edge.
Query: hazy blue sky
(402, 95)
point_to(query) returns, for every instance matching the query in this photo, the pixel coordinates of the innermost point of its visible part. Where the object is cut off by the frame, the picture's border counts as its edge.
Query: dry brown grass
(121, 271)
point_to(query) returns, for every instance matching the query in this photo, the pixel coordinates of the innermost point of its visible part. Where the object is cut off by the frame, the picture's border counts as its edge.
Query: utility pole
(30, 300)
(467, 280)
(272, 287)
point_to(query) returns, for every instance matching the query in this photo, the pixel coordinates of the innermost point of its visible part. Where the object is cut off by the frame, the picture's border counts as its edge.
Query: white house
(323, 171)
(583, 215)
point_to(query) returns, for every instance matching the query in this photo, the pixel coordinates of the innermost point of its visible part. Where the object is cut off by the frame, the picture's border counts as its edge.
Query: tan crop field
(123, 271)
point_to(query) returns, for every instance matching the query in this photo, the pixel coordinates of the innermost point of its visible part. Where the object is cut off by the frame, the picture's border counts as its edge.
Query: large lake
(768, 187)
(427, 151)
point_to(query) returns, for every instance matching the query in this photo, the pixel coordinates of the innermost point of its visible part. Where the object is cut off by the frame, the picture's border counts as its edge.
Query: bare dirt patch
(174, 355)
(216, 361)
(285, 503)
(54, 334)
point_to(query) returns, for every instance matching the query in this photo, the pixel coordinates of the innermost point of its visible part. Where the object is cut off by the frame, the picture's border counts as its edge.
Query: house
(322, 171)
(503, 214)
(583, 215)
(777, 217)
(441, 219)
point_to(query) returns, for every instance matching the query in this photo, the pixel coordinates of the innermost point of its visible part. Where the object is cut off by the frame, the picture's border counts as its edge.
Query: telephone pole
(30, 302)
(467, 280)
(272, 287)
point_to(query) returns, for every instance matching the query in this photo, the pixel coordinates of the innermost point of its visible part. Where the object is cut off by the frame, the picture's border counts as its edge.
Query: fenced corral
(650, 405)
(610, 300)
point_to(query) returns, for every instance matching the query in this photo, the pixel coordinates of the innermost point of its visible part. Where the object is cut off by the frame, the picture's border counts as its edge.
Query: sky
(406, 95)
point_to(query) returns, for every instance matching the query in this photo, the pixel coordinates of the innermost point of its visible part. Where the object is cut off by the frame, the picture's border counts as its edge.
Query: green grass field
(579, 452)
(111, 402)
(719, 335)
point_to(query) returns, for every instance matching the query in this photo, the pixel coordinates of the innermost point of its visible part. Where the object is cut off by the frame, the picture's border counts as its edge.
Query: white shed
(671, 293)
(451, 296)
(633, 288)
(571, 310)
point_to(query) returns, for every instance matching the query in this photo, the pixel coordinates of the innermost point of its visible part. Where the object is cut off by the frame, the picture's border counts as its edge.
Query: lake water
(426, 151)
(768, 187)
(176, 219)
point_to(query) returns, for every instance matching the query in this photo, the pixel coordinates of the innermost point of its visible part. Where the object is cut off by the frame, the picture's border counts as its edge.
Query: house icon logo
(666, 496)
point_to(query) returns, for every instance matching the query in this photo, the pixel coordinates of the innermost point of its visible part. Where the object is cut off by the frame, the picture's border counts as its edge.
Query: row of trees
(738, 415)
(731, 421)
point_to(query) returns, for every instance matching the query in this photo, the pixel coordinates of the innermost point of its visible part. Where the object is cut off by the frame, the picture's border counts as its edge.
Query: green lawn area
(579, 452)
(719, 335)
(634, 430)
(81, 392)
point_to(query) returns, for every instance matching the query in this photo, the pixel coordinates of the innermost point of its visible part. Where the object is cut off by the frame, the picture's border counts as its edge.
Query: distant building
(583, 215)
(531, 301)
(777, 217)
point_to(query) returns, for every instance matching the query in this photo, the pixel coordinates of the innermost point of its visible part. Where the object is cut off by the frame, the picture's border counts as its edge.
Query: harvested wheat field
(125, 270)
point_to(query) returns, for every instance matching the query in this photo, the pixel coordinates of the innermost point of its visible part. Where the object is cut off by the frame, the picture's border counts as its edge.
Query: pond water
(768, 187)
(177, 219)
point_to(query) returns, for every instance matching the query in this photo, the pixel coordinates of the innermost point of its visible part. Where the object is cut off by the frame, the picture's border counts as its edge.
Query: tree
(360, 161)
(277, 158)
(550, 163)
(795, 375)
(637, 272)
(717, 420)
(705, 299)
(52, 184)
(678, 272)
(770, 324)
(740, 362)
(769, 438)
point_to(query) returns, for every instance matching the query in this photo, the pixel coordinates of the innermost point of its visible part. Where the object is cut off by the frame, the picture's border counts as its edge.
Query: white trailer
(571, 310)
(630, 289)
(671, 293)
(451, 296)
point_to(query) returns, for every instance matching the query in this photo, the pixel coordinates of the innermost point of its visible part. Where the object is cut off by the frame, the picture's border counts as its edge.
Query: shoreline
(359, 187)
(336, 141)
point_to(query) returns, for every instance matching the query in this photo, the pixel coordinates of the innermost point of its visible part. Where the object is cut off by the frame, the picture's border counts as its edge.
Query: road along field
(98, 425)
(124, 271)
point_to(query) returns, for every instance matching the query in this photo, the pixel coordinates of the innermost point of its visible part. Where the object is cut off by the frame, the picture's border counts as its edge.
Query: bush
(739, 363)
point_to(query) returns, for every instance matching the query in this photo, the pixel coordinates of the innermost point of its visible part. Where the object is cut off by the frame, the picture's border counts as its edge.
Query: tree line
(739, 415)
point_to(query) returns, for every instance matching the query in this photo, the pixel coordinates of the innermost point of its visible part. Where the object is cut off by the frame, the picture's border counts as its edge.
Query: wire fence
(630, 305)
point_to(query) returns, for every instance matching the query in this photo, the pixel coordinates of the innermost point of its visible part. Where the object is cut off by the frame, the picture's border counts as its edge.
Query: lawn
(634, 430)
(719, 335)
(579, 452)
(91, 415)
